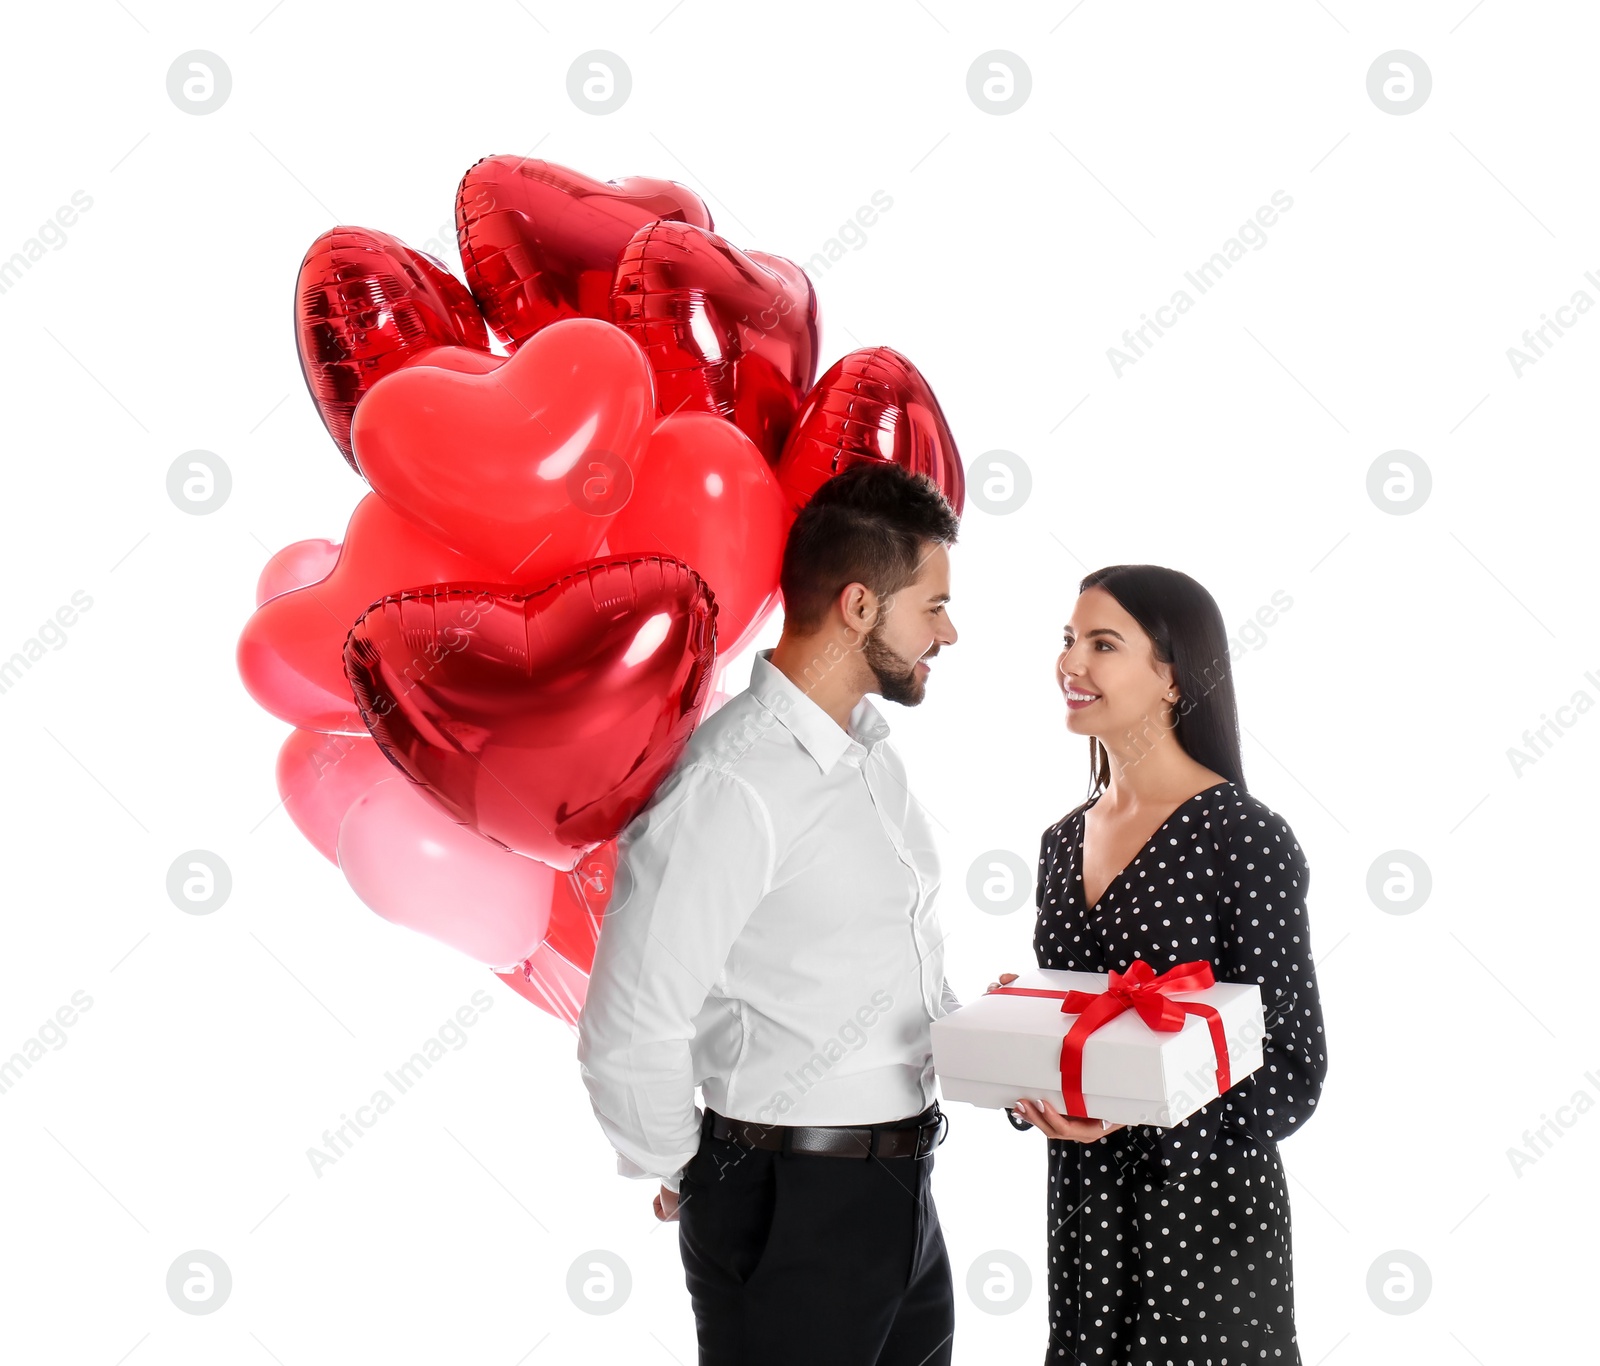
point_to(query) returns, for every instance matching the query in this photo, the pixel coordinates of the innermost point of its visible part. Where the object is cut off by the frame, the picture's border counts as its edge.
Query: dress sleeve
(1263, 936)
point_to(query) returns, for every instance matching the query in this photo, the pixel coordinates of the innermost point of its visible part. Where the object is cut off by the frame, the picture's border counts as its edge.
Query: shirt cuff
(628, 1167)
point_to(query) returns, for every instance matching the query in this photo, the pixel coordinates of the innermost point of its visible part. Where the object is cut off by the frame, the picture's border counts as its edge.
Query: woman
(1171, 1246)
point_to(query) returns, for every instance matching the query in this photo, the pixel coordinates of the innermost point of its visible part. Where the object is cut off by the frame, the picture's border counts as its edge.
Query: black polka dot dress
(1171, 1247)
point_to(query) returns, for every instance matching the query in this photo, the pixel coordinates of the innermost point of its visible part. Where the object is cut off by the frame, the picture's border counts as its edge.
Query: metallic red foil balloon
(291, 651)
(727, 332)
(540, 242)
(543, 720)
(521, 468)
(872, 404)
(364, 304)
(705, 496)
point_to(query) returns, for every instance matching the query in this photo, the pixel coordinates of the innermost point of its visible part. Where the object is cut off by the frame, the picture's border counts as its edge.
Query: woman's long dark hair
(1187, 632)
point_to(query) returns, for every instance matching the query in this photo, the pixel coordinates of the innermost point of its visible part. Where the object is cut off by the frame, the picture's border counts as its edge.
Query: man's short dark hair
(873, 523)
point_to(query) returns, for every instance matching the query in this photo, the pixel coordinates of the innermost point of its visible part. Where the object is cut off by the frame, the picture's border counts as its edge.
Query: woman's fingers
(1007, 977)
(1051, 1122)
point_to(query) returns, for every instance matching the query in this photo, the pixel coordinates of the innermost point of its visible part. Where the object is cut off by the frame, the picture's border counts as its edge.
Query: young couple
(773, 940)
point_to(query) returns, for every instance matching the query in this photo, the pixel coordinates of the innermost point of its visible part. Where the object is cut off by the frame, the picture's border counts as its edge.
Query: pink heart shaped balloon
(416, 867)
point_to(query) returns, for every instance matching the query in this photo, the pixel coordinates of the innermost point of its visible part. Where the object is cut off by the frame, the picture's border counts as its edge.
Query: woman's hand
(1050, 1122)
(1006, 978)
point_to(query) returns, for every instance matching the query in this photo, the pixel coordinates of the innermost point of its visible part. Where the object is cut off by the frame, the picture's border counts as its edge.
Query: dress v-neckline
(1121, 874)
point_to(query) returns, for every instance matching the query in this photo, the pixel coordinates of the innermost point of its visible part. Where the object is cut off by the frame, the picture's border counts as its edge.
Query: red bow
(1140, 989)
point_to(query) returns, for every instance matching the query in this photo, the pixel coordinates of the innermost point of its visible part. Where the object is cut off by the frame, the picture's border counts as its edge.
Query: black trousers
(807, 1260)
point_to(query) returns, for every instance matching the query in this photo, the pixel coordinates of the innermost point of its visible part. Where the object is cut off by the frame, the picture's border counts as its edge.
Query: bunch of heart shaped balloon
(494, 670)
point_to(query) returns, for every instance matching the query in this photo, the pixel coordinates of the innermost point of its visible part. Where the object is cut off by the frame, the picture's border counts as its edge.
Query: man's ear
(859, 607)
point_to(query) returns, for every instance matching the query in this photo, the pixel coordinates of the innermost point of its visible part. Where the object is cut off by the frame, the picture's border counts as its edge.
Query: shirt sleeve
(1017, 1123)
(691, 868)
(1263, 937)
(948, 1000)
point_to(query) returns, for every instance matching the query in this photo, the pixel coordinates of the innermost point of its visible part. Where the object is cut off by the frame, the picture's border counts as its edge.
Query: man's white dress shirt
(771, 937)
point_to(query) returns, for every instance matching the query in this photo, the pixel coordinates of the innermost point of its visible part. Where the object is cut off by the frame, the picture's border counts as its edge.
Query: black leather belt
(915, 1137)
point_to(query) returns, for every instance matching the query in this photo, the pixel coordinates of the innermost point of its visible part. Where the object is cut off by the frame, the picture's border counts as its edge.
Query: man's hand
(666, 1205)
(1044, 1116)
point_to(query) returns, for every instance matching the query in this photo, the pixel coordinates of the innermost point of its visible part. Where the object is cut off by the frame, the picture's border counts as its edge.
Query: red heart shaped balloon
(365, 303)
(540, 242)
(872, 404)
(543, 720)
(291, 651)
(320, 777)
(705, 496)
(294, 567)
(727, 332)
(499, 466)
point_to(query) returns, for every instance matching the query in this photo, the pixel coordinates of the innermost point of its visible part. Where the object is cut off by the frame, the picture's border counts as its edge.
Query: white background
(1378, 710)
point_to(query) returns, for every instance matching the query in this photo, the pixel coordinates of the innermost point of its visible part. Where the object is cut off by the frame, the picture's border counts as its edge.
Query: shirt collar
(823, 738)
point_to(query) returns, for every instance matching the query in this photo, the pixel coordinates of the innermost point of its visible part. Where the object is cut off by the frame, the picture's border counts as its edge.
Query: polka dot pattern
(1172, 1247)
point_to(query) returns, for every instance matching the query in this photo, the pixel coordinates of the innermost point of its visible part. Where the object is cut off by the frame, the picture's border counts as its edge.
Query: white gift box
(998, 1048)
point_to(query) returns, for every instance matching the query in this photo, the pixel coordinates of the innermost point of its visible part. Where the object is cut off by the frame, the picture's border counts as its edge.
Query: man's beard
(896, 681)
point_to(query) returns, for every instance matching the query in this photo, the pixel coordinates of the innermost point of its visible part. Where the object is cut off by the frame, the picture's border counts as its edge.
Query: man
(772, 937)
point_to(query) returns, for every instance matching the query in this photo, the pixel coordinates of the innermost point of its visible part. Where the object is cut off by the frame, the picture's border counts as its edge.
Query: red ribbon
(1140, 989)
